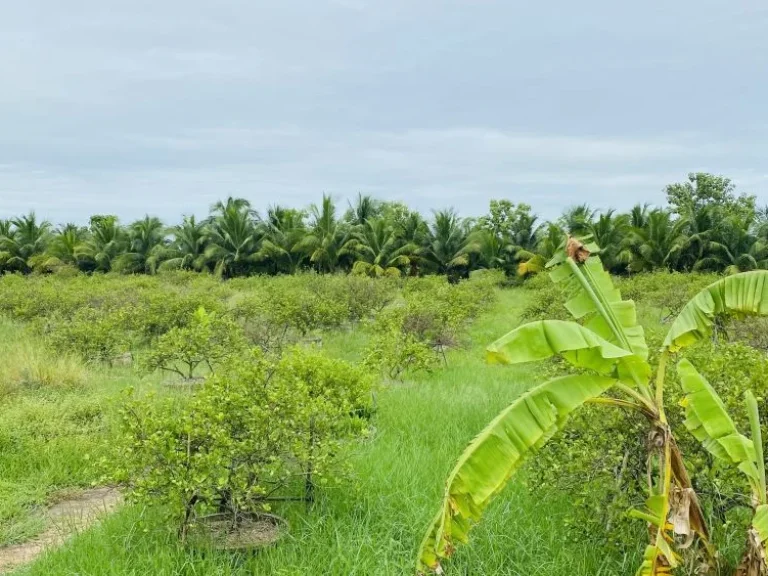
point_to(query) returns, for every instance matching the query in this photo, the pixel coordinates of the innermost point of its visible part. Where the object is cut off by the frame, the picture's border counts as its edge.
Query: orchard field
(114, 380)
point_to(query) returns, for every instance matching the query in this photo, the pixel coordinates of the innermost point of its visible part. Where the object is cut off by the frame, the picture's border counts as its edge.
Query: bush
(241, 440)
(414, 335)
(394, 350)
(91, 334)
(665, 292)
(207, 340)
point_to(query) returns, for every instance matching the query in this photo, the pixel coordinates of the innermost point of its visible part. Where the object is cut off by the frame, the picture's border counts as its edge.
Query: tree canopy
(706, 225)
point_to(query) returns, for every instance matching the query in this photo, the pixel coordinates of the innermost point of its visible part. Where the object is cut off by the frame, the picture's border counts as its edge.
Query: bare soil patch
(64, 519)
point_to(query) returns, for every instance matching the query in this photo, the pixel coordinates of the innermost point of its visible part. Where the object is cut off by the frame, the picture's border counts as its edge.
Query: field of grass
(371, 528)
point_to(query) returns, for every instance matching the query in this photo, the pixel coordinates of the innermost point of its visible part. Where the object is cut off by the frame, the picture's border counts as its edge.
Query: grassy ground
(371, 529)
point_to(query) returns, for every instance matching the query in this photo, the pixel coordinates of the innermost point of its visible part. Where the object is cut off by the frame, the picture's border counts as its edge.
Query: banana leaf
(745, 293)
(491, 459)
(707, 419)
(575, 343)
(599, 303)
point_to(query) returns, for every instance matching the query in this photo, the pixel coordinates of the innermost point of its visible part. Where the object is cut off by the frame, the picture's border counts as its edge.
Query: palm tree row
(705, 226)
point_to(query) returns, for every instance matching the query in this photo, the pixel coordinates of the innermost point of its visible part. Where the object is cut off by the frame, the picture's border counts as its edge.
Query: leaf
(745, 293)
(652, 565)
(707, 419)
(760, 522)
(491, 459)
(659, 558)
(544, 339)
(621, 313)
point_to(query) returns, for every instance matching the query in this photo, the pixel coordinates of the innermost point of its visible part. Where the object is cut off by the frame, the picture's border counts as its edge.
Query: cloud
(463, 167)
(164, 107)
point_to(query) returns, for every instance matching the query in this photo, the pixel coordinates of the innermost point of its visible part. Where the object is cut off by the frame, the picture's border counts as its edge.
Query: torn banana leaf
(491, 459)
(745, 293)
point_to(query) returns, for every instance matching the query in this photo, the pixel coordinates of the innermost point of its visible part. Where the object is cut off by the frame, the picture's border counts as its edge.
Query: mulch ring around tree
(250, 532)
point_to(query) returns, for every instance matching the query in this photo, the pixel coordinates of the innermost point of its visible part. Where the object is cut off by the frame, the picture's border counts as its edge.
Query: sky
(166, 106)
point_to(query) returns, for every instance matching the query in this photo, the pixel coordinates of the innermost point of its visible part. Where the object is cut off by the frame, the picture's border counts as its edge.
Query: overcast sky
(165, 106)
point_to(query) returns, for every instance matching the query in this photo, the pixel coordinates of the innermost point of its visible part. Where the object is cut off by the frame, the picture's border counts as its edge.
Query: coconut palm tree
(23, 242)
(365, 208)
(638, 216)
(659, 244)
(105, 243)
(610, 233)
(576, 220)
(62, 249)
(736, 250)
(283, 229)
(379, 250)
(233, 237)
(549, 238)
(701, 228)
(328, 238)
(187, 251)
(449, 243)
(146, 246)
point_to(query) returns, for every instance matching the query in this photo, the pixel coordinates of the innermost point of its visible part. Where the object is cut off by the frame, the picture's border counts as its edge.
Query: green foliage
(242, 439)
(607, 339)
(487, 464)
(663, 291)
(207, 340)
(413, 335)
(94, 336)
(394, 350)
(546, 302)
(706, 226)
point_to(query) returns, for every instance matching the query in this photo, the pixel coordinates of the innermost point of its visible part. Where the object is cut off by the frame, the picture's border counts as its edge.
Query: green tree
(379, 251)
(24, 242)
(736, 250)
(63, 247)
(328, 238)
(658, 244)
(576, 220)
(232, 238)
(106, 242)
(283, 230)
(365, 208)
(610, 231)
(707, 190)
(449, 243)
(187, 251)
(146, 247)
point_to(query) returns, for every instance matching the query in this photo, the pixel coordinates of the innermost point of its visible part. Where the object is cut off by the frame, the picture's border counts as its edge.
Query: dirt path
(63, 520)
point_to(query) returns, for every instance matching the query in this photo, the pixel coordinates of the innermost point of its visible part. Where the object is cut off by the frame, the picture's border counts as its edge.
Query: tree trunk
(753, 562)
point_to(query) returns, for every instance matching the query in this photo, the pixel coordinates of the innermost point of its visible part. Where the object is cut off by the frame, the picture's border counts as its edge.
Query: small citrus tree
(207, 340)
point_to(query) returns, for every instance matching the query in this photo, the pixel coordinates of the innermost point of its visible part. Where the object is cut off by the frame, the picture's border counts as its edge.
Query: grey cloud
(164, 107)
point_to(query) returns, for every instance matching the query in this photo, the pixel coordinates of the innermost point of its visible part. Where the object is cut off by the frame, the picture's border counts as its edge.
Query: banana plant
(707, 419)
(608, 346)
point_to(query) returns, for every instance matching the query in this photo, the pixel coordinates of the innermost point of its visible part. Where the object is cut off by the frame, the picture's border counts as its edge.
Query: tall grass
(27, 363)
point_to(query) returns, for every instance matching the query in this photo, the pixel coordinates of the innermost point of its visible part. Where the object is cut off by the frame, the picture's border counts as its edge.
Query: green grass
(372, 527)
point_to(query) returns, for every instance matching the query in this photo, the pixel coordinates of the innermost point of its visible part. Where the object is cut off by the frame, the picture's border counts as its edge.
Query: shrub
(333, 400)
(207, 340)
(221, 450)
(413, 335)
(395, 351)
(598, 458)
(239, 441)
(91, 334)
(665, 292)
